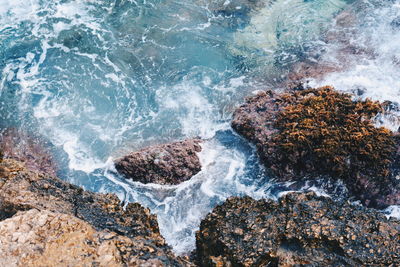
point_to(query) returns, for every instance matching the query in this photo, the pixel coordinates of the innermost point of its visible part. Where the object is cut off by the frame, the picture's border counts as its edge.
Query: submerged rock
(320, 132)
(27, 148)
(303, 71)
(171, 163)
(233, 7)
(300, 229)
(79, 218)
(395, 23)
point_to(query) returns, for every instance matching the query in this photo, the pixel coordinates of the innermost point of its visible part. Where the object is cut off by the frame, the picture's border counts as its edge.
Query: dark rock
(300, 229)
(319, 132)
(22, 190)
(171, 163)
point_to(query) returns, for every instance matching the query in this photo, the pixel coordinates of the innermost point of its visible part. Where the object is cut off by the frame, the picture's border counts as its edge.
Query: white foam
(200, 116)
(180, 208)
(393, 211)
(79, 157)
(376, 72)
(17, 9)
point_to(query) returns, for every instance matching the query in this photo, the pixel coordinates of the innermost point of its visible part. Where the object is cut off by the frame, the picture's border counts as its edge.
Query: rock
(27, 148)
(303, 71)
(308, 133)
(45, 238)
(39, 195)
(300, 229)
(171, 163)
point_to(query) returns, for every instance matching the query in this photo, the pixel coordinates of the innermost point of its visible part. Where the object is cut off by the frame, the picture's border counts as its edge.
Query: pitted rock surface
(171, 163)
(22, 190)
(45, 238)
(300, 229)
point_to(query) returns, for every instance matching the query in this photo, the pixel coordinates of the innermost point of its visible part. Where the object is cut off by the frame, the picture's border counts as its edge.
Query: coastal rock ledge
(166, 164)
(308, 133)
(300, 229)
(45, 221)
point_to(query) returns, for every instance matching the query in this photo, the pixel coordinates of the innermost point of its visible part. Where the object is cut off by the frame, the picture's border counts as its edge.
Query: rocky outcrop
(171, 163)
(78, 223)
(300, 229)
(309, 133)
(44, 238)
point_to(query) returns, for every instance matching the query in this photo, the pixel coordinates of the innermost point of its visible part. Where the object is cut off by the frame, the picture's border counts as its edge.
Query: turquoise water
(99, 78)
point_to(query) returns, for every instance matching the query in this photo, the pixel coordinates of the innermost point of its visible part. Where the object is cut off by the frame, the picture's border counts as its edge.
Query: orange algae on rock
(320, 132)
(325, 132)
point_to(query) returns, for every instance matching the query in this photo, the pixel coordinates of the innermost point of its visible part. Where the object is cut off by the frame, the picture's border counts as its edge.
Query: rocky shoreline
(45, 221)
(300, 229)
(48, 222)
(301, 135)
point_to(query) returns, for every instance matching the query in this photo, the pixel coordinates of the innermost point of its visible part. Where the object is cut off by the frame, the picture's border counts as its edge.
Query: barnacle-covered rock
(170, 163)
(301, 229)
(314, 132)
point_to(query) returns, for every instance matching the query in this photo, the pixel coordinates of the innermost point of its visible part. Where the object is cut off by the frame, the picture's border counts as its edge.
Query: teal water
(98, 79)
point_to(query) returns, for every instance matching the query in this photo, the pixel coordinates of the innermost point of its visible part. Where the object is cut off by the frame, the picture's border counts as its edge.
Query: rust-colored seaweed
(325, 132)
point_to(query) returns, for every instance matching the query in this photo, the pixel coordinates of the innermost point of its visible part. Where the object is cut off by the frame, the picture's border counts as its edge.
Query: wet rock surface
(27, 148)
(171, 163)
(300, 229)
(44, 238)
(309, 133)
(28, 194)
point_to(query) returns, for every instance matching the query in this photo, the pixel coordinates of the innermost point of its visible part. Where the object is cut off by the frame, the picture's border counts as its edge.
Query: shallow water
(98, 79)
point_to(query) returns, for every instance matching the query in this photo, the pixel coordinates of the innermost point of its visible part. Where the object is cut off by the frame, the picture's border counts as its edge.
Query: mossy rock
(323, 132)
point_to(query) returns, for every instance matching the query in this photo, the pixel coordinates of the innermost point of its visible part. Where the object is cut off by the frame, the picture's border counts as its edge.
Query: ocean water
(99, 79)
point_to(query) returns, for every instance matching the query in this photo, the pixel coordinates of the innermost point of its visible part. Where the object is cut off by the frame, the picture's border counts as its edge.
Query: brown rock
(299, 229)
(170, 163)
(44, 238)
(134, 231)
(309, 133)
